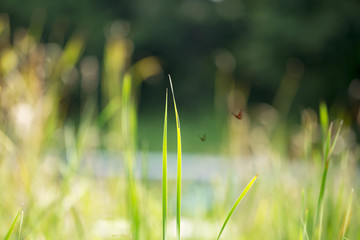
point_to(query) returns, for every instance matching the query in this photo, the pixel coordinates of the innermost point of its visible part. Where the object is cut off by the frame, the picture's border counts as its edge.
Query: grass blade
(304, 222)
(335, 139)
(320, 205)
(328, 149)
(111, 108)
(21, 222)
(346, 222)
(164, 166)
(128, 131)
(7, 236)
(303, 219)
(242, 195)
(178, 178)
(324, 118)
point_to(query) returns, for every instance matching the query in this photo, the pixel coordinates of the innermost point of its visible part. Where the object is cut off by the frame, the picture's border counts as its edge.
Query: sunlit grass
(11, 229)
(164, 169)
(346, 221)
(179, 165)
(80, 178)
(242, 195)
(329, 146)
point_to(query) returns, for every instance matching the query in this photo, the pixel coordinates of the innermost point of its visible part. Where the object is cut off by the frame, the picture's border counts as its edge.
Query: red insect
(239, 115)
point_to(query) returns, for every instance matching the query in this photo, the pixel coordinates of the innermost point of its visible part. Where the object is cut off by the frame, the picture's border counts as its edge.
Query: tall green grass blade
(21, 222)
(11, 229)
(178, 178)
(336, 138)
(327, 146)
(70, 56)
(320, 205)
(346, 222)
(303, 234)
(324, 118)
(128, 132)
(328, 150)
(242, 195)
(111, 108)
(164, 168)
(306, 223)
(126, 90)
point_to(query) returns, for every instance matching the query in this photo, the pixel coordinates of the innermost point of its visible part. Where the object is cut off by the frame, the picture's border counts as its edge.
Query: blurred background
(289, 55)
(82, 95)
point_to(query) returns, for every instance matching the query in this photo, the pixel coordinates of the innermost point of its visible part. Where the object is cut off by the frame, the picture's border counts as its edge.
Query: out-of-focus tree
(255, 43)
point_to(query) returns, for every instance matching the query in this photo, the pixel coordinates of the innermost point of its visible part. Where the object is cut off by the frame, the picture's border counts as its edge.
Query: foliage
(63, 173)
(256, 44)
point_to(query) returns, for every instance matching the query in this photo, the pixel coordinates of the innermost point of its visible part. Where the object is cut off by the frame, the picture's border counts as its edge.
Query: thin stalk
(319, 208)
(178, 178)
(303, 219)
(164, 168)
(328, 150)
(347, 216)
(21, 222)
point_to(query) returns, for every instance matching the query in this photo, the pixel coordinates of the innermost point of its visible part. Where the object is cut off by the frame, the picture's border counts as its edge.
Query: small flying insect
(239, 115)
(203, 138)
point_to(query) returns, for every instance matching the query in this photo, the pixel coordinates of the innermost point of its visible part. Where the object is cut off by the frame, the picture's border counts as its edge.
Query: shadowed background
(290, 54)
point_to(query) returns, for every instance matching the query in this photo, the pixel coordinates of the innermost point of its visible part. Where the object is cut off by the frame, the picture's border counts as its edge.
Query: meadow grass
(49, 163)
(178, 179)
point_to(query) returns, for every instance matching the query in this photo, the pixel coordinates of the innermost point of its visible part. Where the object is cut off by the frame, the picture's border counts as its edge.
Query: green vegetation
(242, 195)
(21, 212)
(61, 168)
(164, 169)
(179, 166)
(310, 48)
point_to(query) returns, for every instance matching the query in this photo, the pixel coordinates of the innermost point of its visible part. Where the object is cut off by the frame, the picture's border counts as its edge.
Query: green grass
(164, 169)
(178, 179)
(179, 165)
(11, 229)
(346, 221)
(242, 195)
(308, 169)
(329, 146)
